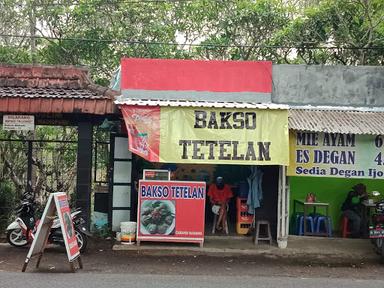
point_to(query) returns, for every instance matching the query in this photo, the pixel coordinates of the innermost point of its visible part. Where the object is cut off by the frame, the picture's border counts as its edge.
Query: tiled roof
(337, 121)
(26, 92)
(52, 89)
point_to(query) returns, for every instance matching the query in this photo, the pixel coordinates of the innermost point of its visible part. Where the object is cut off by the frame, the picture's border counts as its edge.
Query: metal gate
(120, 186)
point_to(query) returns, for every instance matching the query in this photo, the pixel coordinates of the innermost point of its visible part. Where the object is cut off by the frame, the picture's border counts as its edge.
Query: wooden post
(38, 260)
(80, 262)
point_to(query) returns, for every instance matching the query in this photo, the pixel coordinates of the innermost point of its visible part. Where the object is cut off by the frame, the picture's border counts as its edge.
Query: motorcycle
(376, 230)
(21, 231)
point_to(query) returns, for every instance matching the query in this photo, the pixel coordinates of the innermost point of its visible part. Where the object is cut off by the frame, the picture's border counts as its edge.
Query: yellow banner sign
(338, 155)
(224, 136)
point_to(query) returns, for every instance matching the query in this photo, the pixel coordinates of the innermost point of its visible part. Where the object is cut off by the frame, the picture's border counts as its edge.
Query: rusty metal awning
(354, 121)
(121, 100)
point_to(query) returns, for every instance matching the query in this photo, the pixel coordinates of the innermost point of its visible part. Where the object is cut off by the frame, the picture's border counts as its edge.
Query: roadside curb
(267, 252)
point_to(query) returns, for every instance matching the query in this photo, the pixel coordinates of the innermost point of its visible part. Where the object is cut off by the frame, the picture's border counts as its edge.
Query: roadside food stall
(200, 132)
(332, 150)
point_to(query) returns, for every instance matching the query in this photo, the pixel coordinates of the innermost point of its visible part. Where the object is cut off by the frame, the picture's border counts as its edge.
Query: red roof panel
(196, 75)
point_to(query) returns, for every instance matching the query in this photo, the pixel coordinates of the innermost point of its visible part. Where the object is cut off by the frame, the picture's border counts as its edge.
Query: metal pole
(283, 203)
(288, 191)
(29, 166)
(278, 236)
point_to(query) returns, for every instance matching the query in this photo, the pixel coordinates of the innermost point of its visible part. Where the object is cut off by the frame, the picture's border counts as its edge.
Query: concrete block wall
(328, 85)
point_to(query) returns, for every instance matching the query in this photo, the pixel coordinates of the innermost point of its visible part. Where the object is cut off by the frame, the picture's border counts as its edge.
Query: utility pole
(32, 30)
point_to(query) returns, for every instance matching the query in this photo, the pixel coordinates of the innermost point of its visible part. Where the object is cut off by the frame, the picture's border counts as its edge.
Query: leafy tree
(97, 33)
(349, 32)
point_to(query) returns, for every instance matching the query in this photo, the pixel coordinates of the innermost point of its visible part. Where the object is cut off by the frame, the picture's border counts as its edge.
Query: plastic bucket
(128, 232)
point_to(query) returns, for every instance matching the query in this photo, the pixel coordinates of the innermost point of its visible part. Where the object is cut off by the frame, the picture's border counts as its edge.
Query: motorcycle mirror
(375, 193)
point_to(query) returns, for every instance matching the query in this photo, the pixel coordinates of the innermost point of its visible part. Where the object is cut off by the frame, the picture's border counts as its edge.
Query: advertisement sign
(18, 122)
(171, 211)
(57, 202)
(143, 126)
(336, 155)
(208, 135)
(152, 174)
(66, 223)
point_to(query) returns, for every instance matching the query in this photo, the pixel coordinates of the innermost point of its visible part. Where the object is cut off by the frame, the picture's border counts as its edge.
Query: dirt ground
(100, 258)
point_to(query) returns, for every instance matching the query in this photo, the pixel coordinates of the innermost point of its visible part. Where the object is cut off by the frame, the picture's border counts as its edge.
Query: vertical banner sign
(208, 135)
(67, 228)
(336, 155)
(171, 211)
(143, 126)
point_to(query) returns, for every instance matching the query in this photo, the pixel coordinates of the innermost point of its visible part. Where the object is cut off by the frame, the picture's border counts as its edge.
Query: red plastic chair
(344, 227)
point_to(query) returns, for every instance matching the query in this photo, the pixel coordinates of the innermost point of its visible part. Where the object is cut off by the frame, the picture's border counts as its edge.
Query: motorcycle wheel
(378, 245)
(16, 238)
(82, 240)
(381, 250)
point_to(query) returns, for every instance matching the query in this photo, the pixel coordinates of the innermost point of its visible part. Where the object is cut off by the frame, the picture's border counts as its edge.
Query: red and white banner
(171, 211)
(67, 228)
(143, 126)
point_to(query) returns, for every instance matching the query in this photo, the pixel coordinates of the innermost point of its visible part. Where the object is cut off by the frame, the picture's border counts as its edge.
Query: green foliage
(7, 202)
(13, 55)
(53, 163)
(98, 33)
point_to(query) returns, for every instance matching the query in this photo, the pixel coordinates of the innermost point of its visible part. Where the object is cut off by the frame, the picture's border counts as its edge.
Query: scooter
(376, 230)
(21, 231)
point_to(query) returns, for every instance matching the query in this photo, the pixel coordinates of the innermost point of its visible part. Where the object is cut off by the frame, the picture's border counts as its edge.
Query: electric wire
(205, 45)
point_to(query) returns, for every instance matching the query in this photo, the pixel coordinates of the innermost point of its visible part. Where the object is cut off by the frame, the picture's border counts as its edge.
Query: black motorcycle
(21, 231)
(376, 230)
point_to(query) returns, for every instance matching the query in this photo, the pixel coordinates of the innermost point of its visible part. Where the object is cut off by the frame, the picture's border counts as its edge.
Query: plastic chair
(311, 225)
(215, 217)
(327, 223)
(267, 237)
(345, 227)
(296, 223)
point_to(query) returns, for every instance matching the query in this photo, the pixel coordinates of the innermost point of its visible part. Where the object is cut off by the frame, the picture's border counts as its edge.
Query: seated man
(352, 208)
(219, 195)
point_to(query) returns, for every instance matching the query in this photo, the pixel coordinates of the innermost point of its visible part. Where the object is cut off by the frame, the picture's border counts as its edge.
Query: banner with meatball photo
(69, 235)
(171, 211)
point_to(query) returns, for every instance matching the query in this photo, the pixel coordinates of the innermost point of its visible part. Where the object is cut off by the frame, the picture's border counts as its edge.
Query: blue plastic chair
(311, 225)
(326, 222)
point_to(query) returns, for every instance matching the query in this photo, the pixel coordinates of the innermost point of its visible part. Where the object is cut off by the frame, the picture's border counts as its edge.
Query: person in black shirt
(352, 208)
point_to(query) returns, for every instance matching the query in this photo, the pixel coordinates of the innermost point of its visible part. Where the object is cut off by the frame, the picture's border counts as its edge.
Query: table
(313, 206)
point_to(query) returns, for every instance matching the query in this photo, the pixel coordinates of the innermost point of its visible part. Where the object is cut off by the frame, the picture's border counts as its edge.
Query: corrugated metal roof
(184, 103)
(336, 121)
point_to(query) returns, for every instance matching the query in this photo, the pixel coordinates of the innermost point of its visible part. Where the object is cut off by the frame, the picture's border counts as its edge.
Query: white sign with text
(18, 122)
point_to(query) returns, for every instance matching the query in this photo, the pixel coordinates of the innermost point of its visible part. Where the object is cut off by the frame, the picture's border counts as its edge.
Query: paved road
(101, 260)
(82, 280)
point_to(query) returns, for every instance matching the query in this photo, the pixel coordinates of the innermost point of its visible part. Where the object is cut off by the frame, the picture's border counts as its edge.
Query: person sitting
(352, 209)
(219, 194)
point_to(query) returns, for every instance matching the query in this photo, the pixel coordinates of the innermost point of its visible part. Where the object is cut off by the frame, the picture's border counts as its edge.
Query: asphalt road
(79, 280)
(106, 268)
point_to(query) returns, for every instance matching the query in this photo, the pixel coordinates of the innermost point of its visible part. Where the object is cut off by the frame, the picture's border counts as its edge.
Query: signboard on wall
(336, 155)
(18, 122)
(208, 135)
(171, 211)
(152, 174)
